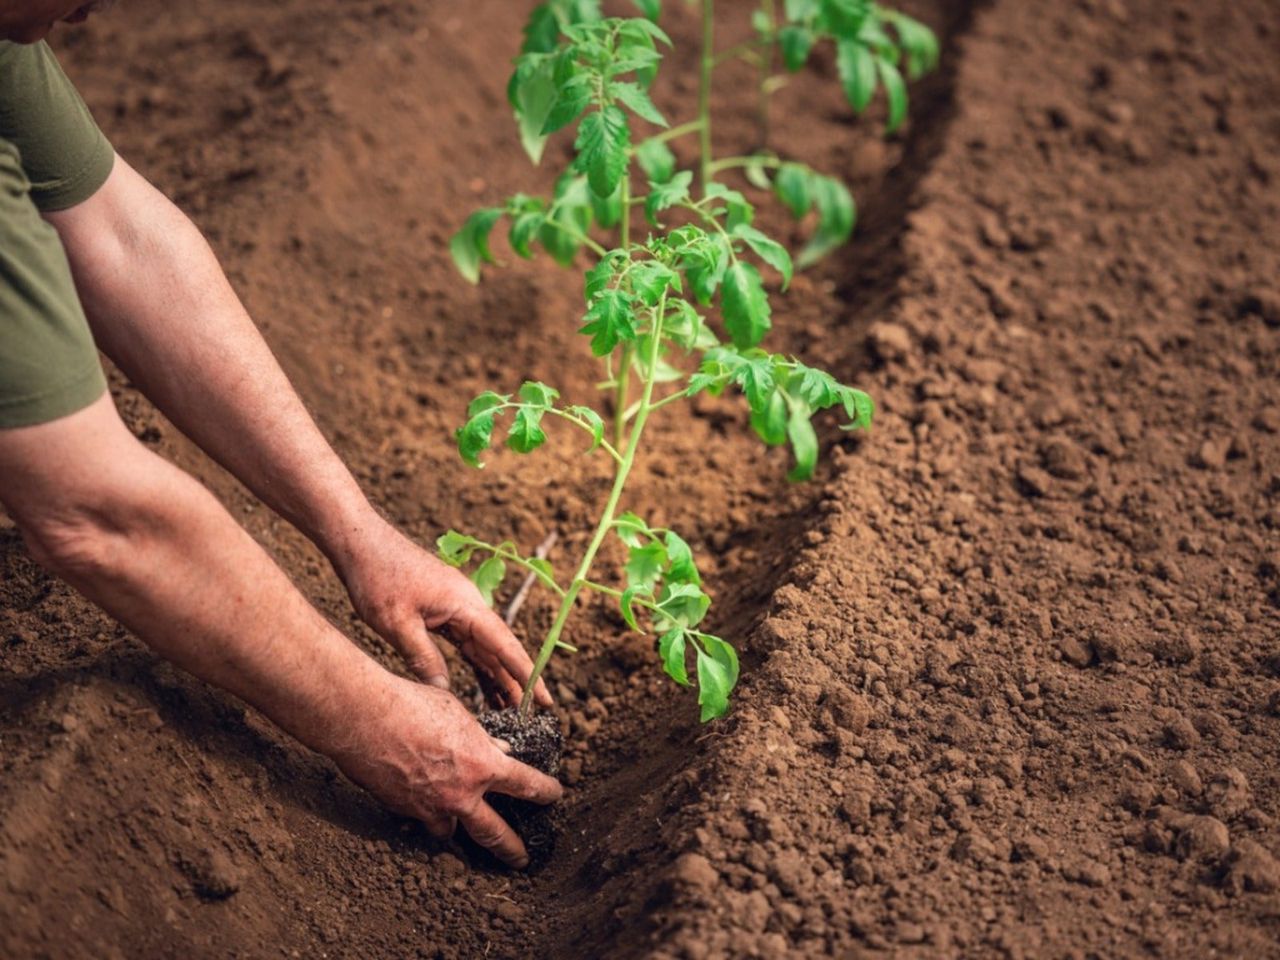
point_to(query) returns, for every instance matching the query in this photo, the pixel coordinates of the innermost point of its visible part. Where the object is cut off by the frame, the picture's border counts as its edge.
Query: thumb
(420, 653)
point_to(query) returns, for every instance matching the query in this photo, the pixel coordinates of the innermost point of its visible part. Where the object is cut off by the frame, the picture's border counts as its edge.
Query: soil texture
(1011, 662)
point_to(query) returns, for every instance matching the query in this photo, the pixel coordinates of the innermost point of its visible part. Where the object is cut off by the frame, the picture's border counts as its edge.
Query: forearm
(162, 309)
(155, 549)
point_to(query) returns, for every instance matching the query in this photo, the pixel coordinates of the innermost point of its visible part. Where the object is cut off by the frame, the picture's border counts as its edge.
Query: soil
(1011, 662)
(535, 740)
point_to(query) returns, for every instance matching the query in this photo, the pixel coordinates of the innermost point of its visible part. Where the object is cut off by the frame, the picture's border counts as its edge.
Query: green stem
(729, 163)
(623, 383)
(766, 68)
(519, 561)
(605, 445)
(606, 518)
(677, 131)
(582, 238)
(708, 65)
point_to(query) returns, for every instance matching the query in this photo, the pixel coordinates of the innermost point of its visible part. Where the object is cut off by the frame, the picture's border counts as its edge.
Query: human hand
(420, 753)
(404, 593)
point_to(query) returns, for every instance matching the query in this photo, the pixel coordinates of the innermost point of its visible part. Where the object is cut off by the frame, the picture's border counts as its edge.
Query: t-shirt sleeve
(64, 154)
(49, 366)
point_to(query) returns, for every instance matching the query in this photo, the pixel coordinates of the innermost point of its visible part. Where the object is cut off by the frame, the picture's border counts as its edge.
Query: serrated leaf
(681, 567)
(455, 548)
(645, 565)
(707, 273)
(526, 433)
(740, 211)
(475, 435)
(770, 420)
(599, 277)
(792, 187)
(681, 604)
(611, 319)
(608, 210)
(632, 530)
(524, 228)
(533, 94)
(656, 160)
(795, 42)
(859, 407)
(637, 101)
(542, 31)
(470, 245)
(856, 65)
(572, 97)
(668, 194)
(593, 420)
(683, 326)
(845, 18)
(836, 217)
(671, 648)
(649, 279)
(744, 305)
(602, 143)
(816, 387)
(649, 28)
(767, 249)
(488, 577)
(538, 394)
(627, 605)
(717, 676)
(896, 91)
(804, 442)
(650, 8)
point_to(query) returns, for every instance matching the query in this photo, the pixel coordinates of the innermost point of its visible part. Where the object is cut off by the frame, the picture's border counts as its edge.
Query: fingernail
(501, 744)
(521, 863)
(439, 681)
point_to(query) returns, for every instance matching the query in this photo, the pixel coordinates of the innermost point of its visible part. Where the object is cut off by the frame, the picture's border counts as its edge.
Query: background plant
(643, 299)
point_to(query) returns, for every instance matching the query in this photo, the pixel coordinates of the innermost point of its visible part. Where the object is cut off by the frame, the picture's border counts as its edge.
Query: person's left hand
(404, 593)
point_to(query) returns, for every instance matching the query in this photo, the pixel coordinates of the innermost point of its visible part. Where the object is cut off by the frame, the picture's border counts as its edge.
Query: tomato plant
(644, 299)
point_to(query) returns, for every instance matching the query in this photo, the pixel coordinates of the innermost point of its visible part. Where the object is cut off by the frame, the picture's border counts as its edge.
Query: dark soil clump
(536, 741)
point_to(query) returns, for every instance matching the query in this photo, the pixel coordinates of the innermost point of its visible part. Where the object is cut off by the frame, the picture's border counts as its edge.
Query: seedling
(644, 300)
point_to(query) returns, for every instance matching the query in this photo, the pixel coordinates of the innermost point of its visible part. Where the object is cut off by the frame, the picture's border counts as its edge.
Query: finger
(494, 834)
(517, 779)
(501, 744)
(492, 634)
(420, 653)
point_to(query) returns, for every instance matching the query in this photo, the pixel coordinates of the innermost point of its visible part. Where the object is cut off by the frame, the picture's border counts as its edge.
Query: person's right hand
(421, 753)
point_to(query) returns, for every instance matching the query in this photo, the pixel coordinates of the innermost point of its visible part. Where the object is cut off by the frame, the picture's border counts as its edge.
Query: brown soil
(1011, 664)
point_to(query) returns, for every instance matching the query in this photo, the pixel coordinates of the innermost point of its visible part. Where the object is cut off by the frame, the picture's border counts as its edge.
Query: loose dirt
(1011, 662)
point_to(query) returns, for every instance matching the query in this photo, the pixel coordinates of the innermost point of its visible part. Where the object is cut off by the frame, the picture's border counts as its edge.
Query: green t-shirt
(52, 156)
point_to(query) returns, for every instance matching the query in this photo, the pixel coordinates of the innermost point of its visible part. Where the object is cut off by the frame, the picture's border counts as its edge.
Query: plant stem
(582, 238)
(606, 518)
(677, 131)
(622, 384)
(730, 162)
(708, 65)
(766, 68)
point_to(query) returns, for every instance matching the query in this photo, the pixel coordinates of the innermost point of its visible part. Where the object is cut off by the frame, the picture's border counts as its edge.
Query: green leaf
(476, 434)
(857, 67)
(470, 245)
(680, 564)
(608, 210)
(591, 419)
(599, 277)
(650, 8)
(739, 210)
(645, 565)
(800, 10)
(845, 18)
(671, 648)
(836, 217)
(626, 604)
(610, 319)
(602, 143)
(717, 676)
(668, 194)
(488, 577)
(859, 407)
(796, 42)
(745, 305)
(918, 41)
(572, 97)
(649, 279)
(767, 249)
(524, 228)
(656, 160)
(683, 326)
(804, 442)
(896, 90)
(792, 186)
(681, 604)
(770, 420)
(637, 101)
(756, 173)
(632, 530)
(542, 31)
(533, 93)
(455, 548)
(538, 394)
(526, 433)
(543, 566)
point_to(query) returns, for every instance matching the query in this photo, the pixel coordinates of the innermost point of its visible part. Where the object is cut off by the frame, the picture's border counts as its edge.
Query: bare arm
(162, 309)
(155, 549)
